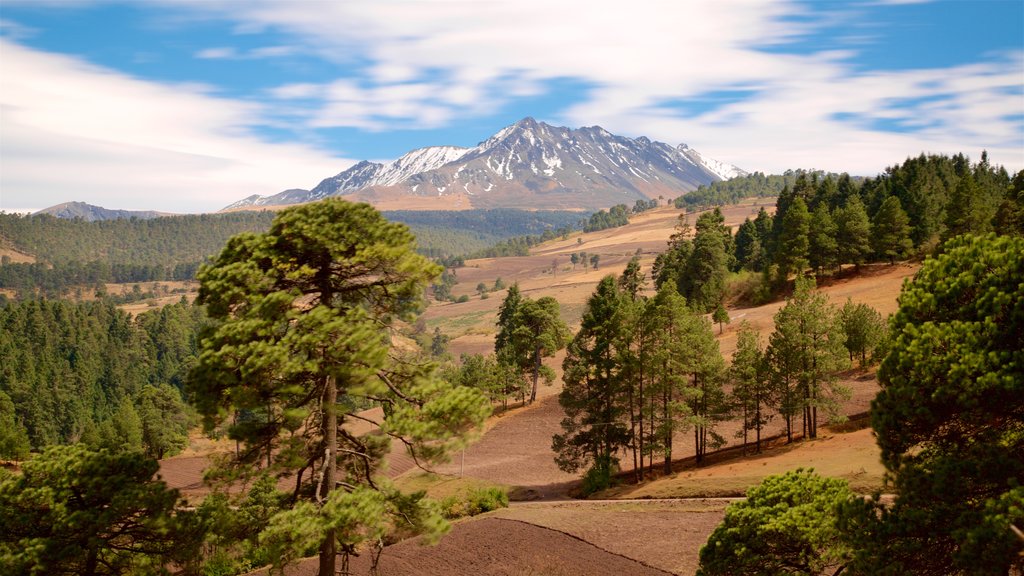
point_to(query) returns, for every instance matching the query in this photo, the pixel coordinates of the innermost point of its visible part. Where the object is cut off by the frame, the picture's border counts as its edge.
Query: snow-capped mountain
(528, 164)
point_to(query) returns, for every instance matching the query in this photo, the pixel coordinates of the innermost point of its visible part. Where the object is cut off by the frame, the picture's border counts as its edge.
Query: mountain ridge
(92, 213)
(528, 163)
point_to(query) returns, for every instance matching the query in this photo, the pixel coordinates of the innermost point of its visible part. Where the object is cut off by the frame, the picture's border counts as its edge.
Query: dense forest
(75, 253)
(89, 372)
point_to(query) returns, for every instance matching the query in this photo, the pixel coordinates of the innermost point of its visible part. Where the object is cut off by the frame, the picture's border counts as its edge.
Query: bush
(477, 501)
(599, 476)
(746, 287)
(483, 500)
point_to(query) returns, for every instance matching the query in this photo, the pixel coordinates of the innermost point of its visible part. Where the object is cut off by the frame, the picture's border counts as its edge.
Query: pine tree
(823, 250)
(890, 231)
(792, 252)
(853, 232)
(948, 419)
(864, 329)
(805, 351)
(594, 396)
(750, 386)
(303, 313)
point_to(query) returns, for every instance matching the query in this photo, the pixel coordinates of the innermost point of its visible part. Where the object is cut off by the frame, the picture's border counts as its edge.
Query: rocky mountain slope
(529, 164)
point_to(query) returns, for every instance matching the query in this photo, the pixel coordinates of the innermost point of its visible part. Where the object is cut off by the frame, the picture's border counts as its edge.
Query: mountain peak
(528, 163)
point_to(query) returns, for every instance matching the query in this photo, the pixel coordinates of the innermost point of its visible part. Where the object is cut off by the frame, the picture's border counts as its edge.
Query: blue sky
(186, 106)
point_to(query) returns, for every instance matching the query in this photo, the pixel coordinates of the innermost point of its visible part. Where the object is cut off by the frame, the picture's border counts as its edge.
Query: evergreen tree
(540, 333)
(705, 395)
(594, 395)
(823, 250)
(793, 244)
(748, 246)
(164, 420)
(671, 325)
(14, 443)
(863, 328)
(72, 511)
(968, 210)
(632, 280)
(507, 319)
(720, 316)
(750, 386)
(890, 231)
(806, 350)
(703, 279)
(785, 525)
(948, 419)
(853, 232)
(303, 315)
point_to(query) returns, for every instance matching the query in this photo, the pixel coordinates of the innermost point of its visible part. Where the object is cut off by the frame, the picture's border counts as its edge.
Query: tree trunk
(328, 548)
(536, 373)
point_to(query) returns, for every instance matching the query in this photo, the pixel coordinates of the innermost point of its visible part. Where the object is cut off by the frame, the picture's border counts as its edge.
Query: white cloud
(222, 53)
(230, 53)
(74, 131)
(433, 62)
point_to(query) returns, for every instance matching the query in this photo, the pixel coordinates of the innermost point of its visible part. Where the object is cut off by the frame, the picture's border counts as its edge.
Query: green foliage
(301, 341)
(822, 249)
(890, 231)
(794, 240)
(14, 443)
(72, 511)
(949, 419)
(164, 420)
(751, 391)
(616, 216)
(529, 330)
(911, 205)
(75, 371)
(477, 501)
(864, 330)
(785, 526)
(593, 430)
(234, 526)
(804, 353)
(853, 232)
(756, 185)
(499, 381)
(482, 500)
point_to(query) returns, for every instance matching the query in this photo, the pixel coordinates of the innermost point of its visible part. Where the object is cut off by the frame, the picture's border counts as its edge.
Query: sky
(190, 105)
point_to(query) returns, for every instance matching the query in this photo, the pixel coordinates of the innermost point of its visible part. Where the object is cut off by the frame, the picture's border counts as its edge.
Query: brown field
(495, 547)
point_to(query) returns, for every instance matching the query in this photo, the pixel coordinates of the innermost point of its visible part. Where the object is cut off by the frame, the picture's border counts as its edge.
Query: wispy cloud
(230, 53)
(72, 130)
(432, 63)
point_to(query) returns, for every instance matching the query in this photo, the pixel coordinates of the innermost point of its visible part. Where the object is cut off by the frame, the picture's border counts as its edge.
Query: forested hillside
(74, 252)
(89, 372)
(825, 222)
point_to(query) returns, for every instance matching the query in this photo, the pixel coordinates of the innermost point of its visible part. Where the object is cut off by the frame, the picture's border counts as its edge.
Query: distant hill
(90, 213)
(529, 164)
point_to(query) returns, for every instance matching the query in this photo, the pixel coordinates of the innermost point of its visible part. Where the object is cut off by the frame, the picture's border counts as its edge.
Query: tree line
(642, 370)
(824, 223)
(731, 191)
